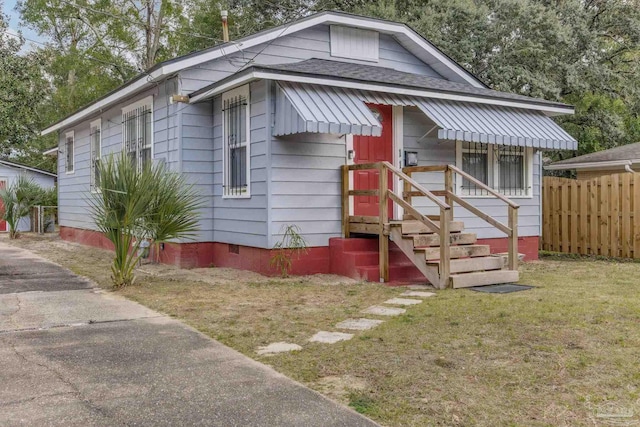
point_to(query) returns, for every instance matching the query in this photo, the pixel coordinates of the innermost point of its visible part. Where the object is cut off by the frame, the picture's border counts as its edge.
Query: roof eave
(591, 165)
(167, 68)
(256, 72)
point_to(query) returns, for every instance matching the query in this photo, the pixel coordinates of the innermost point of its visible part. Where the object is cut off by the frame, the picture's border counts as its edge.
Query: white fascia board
(251, 41)
(136, 86)
(375, 88)
(51, 152)
(591, 165)
(16, 166)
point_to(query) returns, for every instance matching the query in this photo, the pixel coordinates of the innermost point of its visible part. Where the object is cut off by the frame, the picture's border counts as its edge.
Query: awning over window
(493, 124)
(322, 109)
(302, 107)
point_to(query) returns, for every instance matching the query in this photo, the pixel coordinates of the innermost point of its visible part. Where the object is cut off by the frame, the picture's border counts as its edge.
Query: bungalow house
(294, 125)
(625, 158)
(9, 172)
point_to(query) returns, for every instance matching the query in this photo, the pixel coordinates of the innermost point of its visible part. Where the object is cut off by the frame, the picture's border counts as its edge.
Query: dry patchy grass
(543, 357)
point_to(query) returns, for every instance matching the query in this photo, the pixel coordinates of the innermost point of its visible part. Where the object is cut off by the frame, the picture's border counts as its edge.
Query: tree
(134, 205)
(24, 89)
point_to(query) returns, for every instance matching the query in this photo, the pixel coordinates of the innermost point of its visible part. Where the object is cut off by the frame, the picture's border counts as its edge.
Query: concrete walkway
(72, 355)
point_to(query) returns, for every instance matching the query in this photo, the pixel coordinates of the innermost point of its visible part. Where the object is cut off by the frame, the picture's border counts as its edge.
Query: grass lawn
(556, 355)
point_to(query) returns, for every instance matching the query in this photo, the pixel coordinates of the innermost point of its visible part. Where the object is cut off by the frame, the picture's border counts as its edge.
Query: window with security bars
(503, 168)
(69, 149)
(137, 134)
(235, 109)
(96, 151)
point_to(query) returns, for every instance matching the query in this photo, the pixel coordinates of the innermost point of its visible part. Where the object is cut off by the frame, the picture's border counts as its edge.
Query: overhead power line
(133, 21)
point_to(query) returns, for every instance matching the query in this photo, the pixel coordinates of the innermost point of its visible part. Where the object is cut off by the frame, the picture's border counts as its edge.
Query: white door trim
(398, 149)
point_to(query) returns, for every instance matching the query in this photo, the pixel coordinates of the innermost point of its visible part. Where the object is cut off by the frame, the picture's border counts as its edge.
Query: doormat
(501, 289)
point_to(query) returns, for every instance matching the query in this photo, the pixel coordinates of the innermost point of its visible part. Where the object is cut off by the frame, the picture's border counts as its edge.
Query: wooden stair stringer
(418, 259)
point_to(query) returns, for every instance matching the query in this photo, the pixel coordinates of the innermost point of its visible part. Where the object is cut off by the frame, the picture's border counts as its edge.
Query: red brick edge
(527, 245)
(213, 254)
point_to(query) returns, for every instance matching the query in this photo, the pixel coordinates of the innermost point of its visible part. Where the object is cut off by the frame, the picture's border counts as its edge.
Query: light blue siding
(73, 189)
(305, 186)
(239, 221)
(306, 44)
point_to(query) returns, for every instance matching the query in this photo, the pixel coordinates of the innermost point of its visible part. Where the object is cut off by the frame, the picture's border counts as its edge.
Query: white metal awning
(322, 109)
(302, 107)
(494, 124)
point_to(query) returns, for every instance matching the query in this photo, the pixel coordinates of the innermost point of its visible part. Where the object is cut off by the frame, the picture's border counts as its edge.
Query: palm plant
(133, 205)
(18, 199)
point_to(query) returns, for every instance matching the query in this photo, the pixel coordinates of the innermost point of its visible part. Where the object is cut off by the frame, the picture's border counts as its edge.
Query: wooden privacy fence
(599, 216)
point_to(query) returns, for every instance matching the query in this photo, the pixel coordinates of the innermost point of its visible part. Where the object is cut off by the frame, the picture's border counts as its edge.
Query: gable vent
(354, 43)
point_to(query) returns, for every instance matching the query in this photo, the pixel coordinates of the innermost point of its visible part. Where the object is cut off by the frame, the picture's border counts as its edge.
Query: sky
(14, 22)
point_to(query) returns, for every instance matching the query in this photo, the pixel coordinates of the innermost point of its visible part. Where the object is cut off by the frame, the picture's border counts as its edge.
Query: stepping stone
(418, 294)
(419, 287)
(384, 311)
(359, 324)
(278, 347)
(330, 337)
(403, 301)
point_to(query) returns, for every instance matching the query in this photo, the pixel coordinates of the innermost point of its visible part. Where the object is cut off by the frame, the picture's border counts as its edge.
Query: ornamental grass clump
(133, 205)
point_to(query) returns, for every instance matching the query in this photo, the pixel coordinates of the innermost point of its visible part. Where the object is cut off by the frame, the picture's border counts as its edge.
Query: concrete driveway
(73, 355)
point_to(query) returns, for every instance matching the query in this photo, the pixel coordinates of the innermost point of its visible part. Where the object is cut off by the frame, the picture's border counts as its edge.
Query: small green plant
(135, 206)
(361, 403)
(292, 244)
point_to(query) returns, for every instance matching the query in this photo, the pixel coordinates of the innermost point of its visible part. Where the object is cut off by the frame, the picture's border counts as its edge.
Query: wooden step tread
(426, 240)
(417, 227)
(456, 251)
(467, 280)
(467, 265)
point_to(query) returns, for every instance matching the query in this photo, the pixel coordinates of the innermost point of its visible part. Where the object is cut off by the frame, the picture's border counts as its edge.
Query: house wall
(306, 186)
(306, 44)
(10, 174)
(431, 151)
(74, 194)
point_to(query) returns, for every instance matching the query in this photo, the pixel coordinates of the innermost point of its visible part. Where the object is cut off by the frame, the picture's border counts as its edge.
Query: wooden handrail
(413, 211)
(414, 184)
(477, 212)
(412, 169)
(484, 186)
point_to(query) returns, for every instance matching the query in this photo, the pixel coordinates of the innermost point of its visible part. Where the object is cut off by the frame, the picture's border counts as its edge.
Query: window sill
(240, 196)
(489, 196)
(69, 172)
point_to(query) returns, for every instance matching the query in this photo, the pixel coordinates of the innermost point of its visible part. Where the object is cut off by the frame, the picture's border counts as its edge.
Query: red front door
(3, 224)
(372, 149)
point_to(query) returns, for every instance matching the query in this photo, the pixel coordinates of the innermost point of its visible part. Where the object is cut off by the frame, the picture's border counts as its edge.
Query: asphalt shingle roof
(624, 152)
(369, 73)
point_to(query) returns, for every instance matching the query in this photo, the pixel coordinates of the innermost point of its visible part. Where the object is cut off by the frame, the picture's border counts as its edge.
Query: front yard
(564, 353)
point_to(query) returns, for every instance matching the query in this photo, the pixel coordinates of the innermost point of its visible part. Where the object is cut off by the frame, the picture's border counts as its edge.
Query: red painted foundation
(527, 245)
(209, 254)
(355, 257)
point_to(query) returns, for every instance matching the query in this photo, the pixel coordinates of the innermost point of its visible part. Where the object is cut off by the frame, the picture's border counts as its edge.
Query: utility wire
(91, 58)
(140, 24)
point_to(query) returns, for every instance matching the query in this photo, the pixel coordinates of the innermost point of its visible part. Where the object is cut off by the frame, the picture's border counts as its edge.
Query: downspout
(628, 169)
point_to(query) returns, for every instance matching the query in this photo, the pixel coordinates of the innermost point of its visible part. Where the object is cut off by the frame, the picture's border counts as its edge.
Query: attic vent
(354, 43)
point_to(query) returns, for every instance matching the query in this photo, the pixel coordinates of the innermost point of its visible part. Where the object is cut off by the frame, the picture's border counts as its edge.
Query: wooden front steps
(470, 265)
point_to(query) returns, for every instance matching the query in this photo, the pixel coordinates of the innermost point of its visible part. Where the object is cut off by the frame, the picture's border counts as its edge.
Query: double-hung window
(236, 142)
(505, 168)
(137, 132)
(95, 141)
(69, 150)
